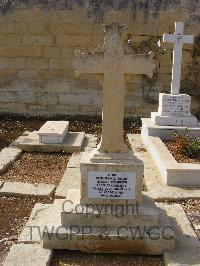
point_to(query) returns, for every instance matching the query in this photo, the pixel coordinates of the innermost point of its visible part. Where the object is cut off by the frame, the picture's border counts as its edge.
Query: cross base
(121, 173)
(146, 230)
(182, 121)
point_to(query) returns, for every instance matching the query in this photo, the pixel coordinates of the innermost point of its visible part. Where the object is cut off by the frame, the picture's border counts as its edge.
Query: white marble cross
(178, 39)
(113, 64)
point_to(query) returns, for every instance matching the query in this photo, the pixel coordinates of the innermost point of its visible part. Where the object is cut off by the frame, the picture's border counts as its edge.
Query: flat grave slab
(53, 132)
(28, 255)
(70, 180)
(72, 143)
(18, 189)
(7, 156)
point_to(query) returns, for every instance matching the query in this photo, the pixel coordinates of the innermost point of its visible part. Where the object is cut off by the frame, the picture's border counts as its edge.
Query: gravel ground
(37, 168)
(178, 155)
(75, 258)
(14, 213)
(11, 129)
(192, 209)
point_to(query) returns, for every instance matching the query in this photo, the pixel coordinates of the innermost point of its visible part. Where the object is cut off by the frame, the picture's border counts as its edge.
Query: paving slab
(28, 255)
(70, 180)
(187, 251)
(90, 142)
(41, 215)
(72, 143)
(74, 161)
(173, 173)
(19, 189)
(7, 156)
(153, 181)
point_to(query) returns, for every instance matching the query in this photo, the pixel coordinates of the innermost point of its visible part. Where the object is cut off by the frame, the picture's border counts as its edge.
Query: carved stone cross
(113, 63)
(178, 39)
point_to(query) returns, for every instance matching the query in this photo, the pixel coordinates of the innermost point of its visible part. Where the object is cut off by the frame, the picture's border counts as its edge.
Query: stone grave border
(153, 180)
(172, 172)
(40, 190)
(18, 189)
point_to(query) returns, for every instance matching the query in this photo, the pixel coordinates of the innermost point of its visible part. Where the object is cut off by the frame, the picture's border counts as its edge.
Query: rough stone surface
(71, 179)
(18, 189)
(155, 188)
(28, 255)
(72, 143)
(117, 242)
(90, 142)
(8, 156)
(38, 78)
(187, 251)
(172, 172)
(165, 132)
(74, 161)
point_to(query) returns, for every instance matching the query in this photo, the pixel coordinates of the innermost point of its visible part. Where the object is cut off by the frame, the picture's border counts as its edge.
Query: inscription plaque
(111, 185)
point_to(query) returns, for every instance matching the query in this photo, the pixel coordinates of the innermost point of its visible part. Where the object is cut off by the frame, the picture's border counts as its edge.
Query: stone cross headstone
(178, 38)
(114, 64)
(174, 108)
(110, 173)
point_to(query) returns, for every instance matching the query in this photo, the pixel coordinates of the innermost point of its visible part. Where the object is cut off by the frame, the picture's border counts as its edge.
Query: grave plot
(172, 171)
(14, 213)
(155, 187)
(174, 115)
(34, 174)
(37, 168)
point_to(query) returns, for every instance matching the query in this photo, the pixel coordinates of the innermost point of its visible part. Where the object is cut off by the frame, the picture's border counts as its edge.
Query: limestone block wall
(38, 40)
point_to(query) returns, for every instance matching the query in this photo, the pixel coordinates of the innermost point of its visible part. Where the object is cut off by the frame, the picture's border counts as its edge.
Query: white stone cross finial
(113, 64)
(178, 39)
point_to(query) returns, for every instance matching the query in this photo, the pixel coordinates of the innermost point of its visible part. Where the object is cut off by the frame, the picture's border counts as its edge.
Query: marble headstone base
(111, 178)
(184, 121)
(174, 110)
(166, 132)
(174, 105)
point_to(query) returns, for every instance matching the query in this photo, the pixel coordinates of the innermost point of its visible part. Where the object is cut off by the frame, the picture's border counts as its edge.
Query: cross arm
(139, 64)
(88, 63)
(169, 37)
(188, 39)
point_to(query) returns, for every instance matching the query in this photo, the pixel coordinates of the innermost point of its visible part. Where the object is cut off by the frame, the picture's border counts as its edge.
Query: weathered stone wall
(38, 40)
